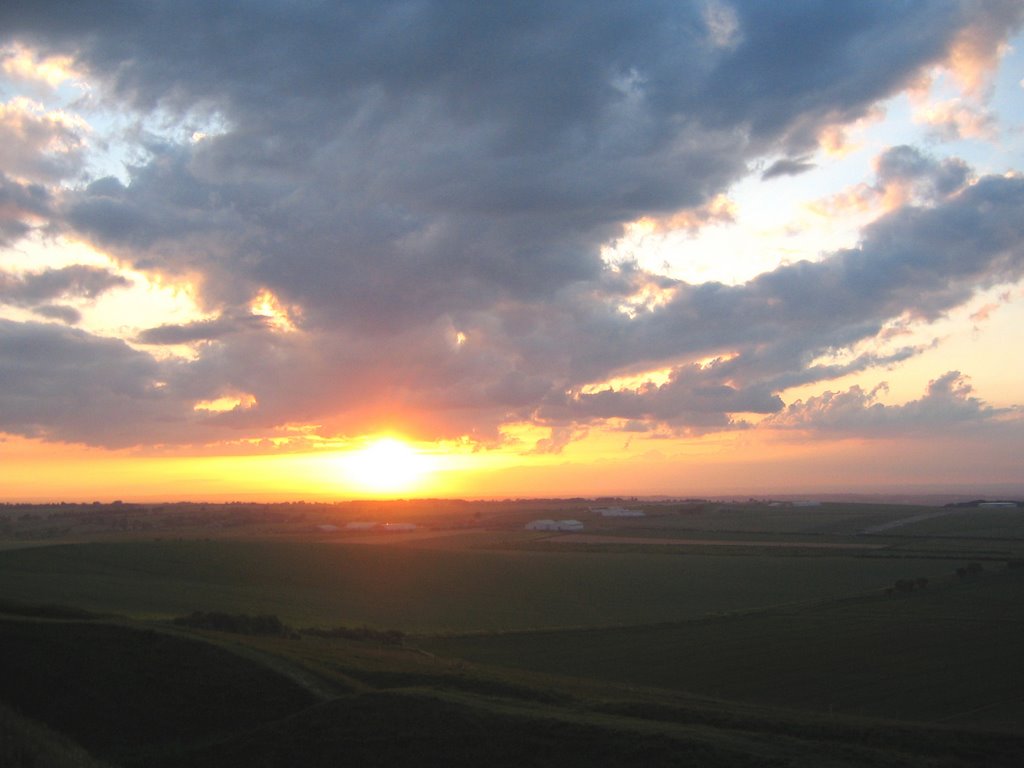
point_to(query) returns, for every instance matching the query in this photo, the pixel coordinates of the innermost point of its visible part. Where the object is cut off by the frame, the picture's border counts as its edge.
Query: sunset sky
(284, 250)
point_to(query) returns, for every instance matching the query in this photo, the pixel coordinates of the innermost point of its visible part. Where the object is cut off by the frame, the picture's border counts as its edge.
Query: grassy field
(949, 653)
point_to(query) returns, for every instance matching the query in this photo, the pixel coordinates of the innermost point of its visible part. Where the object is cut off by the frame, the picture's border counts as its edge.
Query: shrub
(239, 623)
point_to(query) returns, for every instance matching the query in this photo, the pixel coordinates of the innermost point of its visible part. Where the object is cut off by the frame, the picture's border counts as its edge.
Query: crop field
(435, 590)
(1006, 525)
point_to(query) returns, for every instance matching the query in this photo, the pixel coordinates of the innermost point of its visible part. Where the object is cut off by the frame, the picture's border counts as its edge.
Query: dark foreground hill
(155, 697)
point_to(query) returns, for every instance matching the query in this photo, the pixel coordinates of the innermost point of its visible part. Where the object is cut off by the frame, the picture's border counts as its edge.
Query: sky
(269, 250)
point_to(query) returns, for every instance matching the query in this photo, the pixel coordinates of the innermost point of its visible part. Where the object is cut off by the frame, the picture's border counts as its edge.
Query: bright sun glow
(386, 465)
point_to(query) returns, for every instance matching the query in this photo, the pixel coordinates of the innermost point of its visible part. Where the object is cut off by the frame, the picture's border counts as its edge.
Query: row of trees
(909, 585)
(268, 624)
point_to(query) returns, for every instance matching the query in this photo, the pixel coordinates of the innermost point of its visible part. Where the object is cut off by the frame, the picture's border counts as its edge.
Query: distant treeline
(244, 624)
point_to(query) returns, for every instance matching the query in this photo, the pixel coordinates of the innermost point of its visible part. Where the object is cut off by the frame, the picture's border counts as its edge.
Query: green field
(733, 639)
(433, 590)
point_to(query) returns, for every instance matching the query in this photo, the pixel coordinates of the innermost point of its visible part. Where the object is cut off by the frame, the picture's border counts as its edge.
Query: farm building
(327, 528)
(397, 527)
(360, 526)
(554, 525)
(618, 512)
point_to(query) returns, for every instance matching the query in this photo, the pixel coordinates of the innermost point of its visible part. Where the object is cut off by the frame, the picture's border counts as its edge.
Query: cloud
(35, 290)
(695, 399)
(61, 312)
(203, 330)
(787, 167)
(62, 384)
(903, 175)
(22, 63)
(717, 211)
(933, 179)
(947, 404)
(403, 175)
(39, 145)
(75, 281)
(913, 262)
(970, 61)
(22, 205)
(955, 119)
(977, 47)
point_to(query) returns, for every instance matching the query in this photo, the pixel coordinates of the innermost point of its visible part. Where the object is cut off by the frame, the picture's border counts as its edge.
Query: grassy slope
(126, 693)
(425, 727)
(950, 653)
(25, 743)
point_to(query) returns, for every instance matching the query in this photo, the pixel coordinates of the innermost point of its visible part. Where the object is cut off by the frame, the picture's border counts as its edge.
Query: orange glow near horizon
(603, 463)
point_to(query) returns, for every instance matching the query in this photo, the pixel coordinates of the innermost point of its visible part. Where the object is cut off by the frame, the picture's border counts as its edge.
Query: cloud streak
(36, 291)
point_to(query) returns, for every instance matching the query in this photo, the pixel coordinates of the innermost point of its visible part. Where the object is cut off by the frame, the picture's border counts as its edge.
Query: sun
(386, 465)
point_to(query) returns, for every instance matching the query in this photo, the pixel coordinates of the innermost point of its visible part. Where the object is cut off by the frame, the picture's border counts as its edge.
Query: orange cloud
(719, 210)
(975, 53)
(957, 119)
(20, 62)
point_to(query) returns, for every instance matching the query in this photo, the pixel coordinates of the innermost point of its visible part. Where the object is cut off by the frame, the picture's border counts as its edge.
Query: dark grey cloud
(63, 384)
(428, 184)
(61, 312)
(36, 290)
(21, 204)
(787, 167)
(695, 397)
(75, 281)
(930, 178)
(204, 330)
